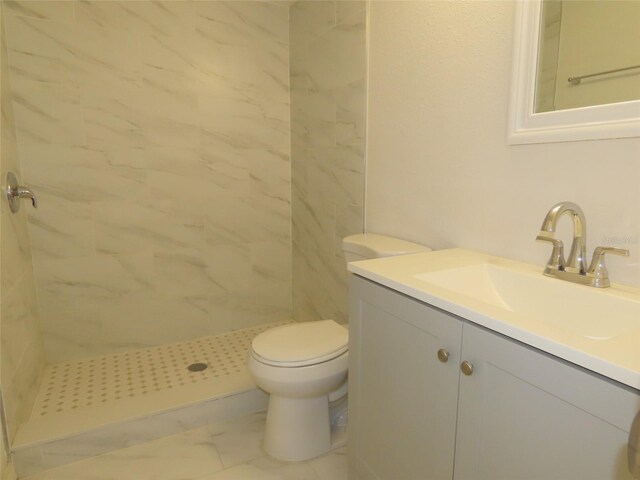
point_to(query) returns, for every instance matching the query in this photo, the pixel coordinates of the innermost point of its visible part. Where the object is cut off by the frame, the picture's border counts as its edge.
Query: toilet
(303, 367)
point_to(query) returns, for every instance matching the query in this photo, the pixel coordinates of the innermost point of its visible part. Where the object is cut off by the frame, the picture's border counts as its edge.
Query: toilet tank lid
(303, 343)
(372, 245)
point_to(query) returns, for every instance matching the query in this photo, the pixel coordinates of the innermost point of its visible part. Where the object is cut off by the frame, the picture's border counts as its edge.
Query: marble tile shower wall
(157, 137)
(21, 352)
(328, 86)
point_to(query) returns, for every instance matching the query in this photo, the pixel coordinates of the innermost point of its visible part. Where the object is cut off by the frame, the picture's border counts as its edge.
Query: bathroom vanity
(443, 385)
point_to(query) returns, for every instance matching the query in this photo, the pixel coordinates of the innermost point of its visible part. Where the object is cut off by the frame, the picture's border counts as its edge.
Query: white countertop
(608, 344)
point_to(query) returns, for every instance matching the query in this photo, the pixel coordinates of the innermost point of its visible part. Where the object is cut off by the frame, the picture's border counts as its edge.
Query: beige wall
(21, 352)
(328, 73)
(156, 135)
(438, 169)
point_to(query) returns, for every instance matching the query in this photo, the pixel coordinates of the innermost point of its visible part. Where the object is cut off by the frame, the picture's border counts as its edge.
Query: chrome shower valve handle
(15, 192)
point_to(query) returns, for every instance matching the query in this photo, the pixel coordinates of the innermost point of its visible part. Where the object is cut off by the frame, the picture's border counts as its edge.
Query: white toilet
(303, 366)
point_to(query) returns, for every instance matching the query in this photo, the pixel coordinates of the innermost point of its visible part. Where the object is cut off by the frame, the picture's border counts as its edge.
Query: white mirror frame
(616, 120)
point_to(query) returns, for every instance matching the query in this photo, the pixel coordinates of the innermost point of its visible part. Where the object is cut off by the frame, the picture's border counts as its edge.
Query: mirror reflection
(589, 54)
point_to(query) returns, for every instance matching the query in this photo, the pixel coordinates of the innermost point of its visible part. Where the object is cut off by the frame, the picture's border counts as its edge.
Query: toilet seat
(301, 344)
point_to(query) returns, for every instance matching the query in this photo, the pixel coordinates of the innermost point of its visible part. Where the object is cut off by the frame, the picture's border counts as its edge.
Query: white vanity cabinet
(402, 399)
(520, 414)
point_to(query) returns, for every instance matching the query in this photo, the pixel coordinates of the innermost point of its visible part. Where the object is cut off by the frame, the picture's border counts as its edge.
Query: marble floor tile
(243, 472)
(239, 441)
(285, 470)
(226, 451)
(332, 466)
(184, 456)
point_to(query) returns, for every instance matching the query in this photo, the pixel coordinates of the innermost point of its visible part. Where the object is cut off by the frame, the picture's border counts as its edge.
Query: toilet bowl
(300, 365)
(303, 367)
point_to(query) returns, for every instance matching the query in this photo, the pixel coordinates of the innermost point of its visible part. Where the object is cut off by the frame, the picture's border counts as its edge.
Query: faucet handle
(24, 192)
(598, 269)
(14, 193)
(556, 261)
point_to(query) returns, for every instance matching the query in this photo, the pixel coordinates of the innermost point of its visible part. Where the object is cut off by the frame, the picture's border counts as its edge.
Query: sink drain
(197, 367)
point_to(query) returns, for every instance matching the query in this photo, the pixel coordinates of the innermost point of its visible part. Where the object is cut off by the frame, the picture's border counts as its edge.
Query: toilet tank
(364, 246)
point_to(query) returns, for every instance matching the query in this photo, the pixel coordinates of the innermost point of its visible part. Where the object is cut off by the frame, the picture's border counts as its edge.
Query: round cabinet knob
(443, 355)
(467, 368)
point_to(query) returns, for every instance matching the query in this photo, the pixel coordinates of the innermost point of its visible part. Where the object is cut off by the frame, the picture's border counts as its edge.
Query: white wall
(438, 169)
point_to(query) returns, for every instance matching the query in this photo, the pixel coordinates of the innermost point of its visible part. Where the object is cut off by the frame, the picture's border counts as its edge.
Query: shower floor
(139, 373)
(90, 394)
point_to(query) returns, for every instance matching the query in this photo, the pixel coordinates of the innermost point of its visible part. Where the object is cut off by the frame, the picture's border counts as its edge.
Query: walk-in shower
(195, 164)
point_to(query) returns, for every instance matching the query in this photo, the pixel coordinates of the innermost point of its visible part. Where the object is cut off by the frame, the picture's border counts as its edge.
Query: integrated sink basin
(579, 310)
(596, 328)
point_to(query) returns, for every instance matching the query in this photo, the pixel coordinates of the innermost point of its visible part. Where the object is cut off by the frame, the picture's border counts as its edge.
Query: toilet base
(297, 428)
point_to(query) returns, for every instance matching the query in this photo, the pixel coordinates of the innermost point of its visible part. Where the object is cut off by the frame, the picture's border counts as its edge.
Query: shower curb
(31, 459)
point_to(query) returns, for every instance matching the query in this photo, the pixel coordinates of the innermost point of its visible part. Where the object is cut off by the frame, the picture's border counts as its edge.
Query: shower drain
(197, 367)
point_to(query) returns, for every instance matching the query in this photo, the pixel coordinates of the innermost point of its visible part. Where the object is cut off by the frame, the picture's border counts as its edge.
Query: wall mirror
(576, 72)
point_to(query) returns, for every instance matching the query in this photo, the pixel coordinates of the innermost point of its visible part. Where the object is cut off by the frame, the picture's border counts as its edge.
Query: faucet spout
(577, 261)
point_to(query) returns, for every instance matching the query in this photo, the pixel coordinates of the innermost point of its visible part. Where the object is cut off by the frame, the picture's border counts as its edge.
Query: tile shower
(196, 164)
(157, 138)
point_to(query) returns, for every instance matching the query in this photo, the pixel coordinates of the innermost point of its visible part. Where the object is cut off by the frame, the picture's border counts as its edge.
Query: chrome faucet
(575, 268)
(577, 262)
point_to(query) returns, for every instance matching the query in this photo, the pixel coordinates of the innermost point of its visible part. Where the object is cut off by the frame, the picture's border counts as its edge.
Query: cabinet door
(526, 415)
(402, 399)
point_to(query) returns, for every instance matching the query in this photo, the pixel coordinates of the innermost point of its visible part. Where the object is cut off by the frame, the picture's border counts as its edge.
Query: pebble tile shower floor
(83, 383)
(127, 398)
